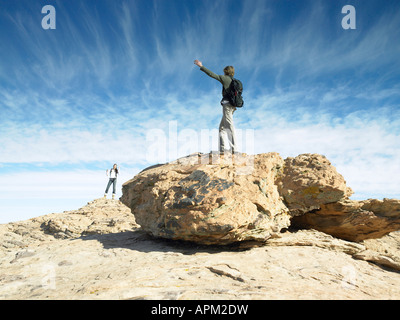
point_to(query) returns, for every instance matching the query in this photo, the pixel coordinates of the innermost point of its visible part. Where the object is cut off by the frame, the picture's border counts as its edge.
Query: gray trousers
(226, 125)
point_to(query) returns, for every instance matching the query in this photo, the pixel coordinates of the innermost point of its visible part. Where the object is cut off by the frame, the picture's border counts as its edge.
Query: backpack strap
(225, 90)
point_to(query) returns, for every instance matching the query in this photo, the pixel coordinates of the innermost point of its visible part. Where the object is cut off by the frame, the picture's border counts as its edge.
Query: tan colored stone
(209, 200)
(354, 220)
(127, 265)
(383, 251)
(316, 239)
(113, 264)
(308, 181)
(99, 216)
(212, 200)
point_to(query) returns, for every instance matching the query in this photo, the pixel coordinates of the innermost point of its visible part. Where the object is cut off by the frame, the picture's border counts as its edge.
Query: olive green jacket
(225, 80)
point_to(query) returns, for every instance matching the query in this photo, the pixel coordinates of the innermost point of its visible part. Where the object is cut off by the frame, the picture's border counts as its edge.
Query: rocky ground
(98, 252)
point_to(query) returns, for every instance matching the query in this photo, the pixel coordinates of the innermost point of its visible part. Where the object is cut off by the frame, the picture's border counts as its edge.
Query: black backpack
(234, 93)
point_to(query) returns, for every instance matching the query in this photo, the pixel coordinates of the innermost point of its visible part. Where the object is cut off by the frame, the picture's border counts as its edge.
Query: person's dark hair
(116, 169)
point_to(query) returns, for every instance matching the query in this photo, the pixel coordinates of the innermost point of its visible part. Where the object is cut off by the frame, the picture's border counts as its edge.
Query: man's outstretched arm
(206, 71)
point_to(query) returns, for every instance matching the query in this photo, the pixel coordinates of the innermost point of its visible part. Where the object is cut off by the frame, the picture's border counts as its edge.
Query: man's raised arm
(206, 71)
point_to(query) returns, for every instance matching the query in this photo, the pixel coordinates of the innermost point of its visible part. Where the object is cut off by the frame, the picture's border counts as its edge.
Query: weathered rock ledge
(354, 220)
(99, 252)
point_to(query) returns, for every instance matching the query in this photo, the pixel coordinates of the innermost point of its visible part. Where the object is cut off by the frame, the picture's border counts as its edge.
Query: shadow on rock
(141, 241)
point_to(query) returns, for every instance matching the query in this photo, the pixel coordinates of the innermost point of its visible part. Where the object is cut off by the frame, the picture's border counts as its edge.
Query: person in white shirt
(112, 174)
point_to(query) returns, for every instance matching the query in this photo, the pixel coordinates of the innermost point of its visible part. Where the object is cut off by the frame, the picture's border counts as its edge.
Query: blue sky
(113, 74)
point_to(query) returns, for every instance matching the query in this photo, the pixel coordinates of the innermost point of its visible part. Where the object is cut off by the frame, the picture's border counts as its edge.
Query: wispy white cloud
(303, 48)
(56, 145)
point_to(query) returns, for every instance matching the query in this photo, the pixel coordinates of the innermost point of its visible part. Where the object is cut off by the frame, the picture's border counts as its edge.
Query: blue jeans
(112, 181)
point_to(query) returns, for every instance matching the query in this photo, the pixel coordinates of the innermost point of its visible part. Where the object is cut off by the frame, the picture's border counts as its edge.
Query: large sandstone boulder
(218, 201)
(354, 220)
(309, 181)
(210, 200)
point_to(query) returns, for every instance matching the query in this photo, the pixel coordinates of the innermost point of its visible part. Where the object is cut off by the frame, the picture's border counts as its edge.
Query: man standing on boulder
(226, 124)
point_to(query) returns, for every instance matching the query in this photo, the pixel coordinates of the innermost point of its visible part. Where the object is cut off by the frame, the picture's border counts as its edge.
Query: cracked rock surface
(113, 258)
